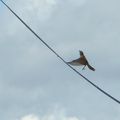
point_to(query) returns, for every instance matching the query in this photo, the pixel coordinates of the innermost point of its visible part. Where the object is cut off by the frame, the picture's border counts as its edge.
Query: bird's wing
(75, 62)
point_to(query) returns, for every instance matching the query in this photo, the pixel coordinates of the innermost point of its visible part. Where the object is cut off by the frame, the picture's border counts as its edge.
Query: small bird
(81, 61)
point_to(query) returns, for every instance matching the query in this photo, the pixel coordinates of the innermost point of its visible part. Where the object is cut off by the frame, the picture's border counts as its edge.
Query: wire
(60, 56)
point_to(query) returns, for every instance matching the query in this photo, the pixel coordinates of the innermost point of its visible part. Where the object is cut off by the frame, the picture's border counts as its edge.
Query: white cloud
(35, 9)
(30, 117)
(48, 117)
(56, 115)
(40, 10)
(77, 2)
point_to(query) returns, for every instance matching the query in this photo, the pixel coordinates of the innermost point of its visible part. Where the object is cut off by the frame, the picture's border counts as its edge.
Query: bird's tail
(90, 67)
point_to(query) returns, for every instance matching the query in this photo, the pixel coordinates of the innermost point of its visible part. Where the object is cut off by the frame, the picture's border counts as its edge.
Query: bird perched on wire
(81, 61)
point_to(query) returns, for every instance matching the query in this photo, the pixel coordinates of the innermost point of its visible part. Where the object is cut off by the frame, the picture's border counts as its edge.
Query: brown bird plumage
(81, 61)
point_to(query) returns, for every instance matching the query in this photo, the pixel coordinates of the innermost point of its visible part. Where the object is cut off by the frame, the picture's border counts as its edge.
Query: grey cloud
(33, 80)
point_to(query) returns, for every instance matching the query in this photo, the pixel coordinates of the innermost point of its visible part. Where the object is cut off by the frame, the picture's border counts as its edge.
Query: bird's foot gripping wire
(84, 67)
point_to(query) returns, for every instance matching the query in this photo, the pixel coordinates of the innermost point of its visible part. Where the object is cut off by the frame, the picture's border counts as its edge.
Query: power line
(116, 100)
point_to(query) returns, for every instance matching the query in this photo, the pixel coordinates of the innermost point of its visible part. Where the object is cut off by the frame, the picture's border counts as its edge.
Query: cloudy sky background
(35, 84)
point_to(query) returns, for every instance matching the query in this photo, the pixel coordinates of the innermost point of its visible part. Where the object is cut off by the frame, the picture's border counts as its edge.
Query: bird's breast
(83, 61)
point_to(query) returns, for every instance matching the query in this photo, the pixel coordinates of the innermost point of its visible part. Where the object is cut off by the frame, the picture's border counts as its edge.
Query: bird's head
(81, 52)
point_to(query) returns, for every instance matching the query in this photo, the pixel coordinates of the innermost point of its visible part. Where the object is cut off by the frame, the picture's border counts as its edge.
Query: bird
(81, 61)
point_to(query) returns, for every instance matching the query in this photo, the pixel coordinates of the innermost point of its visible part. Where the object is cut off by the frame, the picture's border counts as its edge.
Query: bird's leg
(84, 67)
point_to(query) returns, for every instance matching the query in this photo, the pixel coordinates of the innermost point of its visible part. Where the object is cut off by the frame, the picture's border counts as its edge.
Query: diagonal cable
(85, 78)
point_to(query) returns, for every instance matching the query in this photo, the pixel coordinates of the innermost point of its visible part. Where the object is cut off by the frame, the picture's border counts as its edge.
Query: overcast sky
(35, 84)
